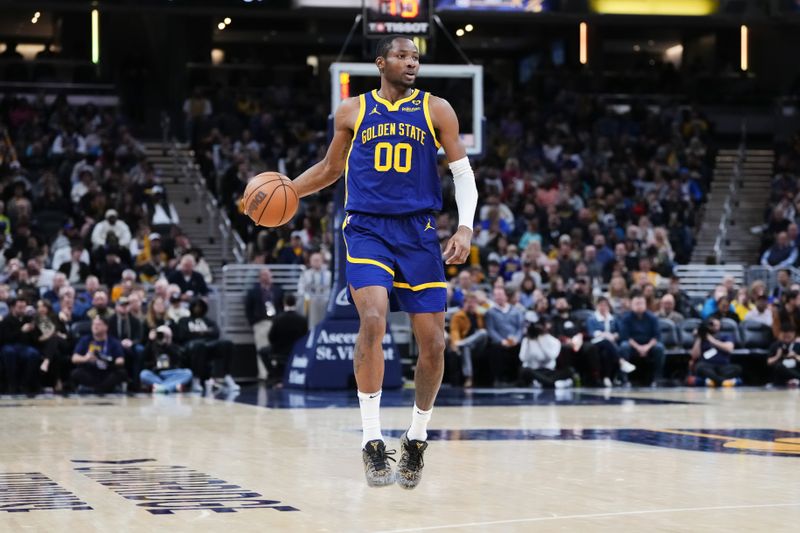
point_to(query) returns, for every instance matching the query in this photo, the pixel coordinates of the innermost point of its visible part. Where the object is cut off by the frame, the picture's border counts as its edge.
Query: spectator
(130, 332)
(76, 269)
(200, 338)
(52, 341)
(603, 330)
(5, 296)
(464, 285)
(111, 224)
(742, 304)
(314, 287)
(100, 307)
(618, 295)
(710, 305)
(641, 338)
(468, 336)
(782, 254)
(784, 355)
(724, 310)
(504, 324)
(783, 282)
(162, 364)
(539, 354)
(99, 360)
(289, 327)
(59, 281)
(135, 301)
(191, 283)
(291, 252)
(578, 354)
(262, 303)
(153, 260)
(156, 313)
(176, 309)
(711, 356)
(17, 338)
(667, 310)
(126, 286)
(683, 303)
(762, 312)
(581, 295)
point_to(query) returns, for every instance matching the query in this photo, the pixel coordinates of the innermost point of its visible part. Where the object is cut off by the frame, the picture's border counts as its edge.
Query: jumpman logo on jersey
(375, 110)
(428, 226)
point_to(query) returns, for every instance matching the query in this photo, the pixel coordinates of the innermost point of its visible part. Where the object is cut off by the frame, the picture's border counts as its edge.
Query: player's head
(397, 60)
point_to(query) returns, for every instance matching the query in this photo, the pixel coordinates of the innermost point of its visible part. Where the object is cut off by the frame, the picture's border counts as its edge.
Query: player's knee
(373, 326)
(433, 346)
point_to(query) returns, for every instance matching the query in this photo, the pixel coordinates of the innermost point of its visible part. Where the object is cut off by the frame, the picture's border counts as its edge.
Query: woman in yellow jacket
(468, 334)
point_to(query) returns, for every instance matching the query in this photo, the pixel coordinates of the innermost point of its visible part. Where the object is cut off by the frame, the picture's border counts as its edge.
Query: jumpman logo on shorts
(375, 110)
(428, 226)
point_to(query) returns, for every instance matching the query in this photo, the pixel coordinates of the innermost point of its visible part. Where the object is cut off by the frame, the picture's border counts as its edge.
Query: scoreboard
(406, 17)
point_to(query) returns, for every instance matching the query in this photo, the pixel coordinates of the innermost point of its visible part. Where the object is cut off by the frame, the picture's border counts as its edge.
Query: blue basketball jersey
(391, 167)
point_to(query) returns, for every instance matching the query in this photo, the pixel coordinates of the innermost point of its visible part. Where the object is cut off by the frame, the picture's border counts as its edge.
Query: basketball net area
(325, 360)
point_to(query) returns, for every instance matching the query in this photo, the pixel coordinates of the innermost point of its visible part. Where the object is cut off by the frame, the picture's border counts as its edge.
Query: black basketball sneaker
(376, 463)
(409, 469)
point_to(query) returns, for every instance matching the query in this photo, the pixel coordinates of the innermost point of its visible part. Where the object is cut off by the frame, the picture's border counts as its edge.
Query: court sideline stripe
(596, 515)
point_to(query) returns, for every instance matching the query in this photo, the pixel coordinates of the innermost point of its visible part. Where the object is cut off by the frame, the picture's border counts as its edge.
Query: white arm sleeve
(466, 191)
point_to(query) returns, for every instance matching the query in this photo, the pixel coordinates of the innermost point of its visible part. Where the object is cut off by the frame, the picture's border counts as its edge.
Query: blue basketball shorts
(400, 253)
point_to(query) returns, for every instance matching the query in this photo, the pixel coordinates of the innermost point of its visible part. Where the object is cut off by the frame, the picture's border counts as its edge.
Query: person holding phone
(99, 359)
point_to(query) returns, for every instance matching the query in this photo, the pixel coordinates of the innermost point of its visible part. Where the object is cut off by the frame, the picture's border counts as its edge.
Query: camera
(160, 336)
(535, 330)
(703, 331)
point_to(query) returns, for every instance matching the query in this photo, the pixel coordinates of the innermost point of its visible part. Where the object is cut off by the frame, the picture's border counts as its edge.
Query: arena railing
(232, 243)
(727, 209)
(769, 275)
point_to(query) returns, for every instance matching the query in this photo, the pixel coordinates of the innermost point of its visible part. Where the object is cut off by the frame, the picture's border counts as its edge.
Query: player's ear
(380, 62)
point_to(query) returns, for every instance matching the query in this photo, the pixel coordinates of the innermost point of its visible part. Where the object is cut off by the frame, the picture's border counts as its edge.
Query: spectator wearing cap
(19, 356)
(99, 360)
(163, 212)
(131, 333)
(163, 371)
(200, 338)
(641, 338)
(505, 326)
(153, 259)
(782, 254)
(177, 308)
(191, 283)
(76, 267)
(111, 224)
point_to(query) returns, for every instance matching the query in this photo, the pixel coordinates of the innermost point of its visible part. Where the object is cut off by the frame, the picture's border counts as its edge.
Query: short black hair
(385, 44)
(289, 300)
(17, 299)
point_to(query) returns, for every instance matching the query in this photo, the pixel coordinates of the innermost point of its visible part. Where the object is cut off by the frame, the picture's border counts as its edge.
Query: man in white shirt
(111, 224)
(762, 313)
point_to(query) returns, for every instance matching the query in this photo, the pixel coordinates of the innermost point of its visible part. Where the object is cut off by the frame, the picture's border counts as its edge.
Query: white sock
(419, 424)
(370, 405)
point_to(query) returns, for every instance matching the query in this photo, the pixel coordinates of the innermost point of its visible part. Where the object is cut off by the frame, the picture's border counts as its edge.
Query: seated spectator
(314, 288)
(724, 310)
(152, 260)
(710, 305)
(666, 309)
(99, 306)
(539, 354)
(130, 332)
(76, 268)
(575, 350)
(156, 313)
(527, 292)
(19, 356)
(782, 254)
(504, 324)
(711, 356)
(618, 295)
(786, 312)
(762, 312)
(176, 309)
(580, 297)
(201, 265)
(59, 281)
(98, 359)
(510, 263)
(5, 297)
(603, 330)
(783, 281)
(199, 337)
(126, 286)
(742, 304)
(111, 224)
(191, 283)
(162, 364)
(784, 356)
(291, 253)
(110, 261)
(289, 326)
(135, 301)
(641, 338)
(463, 285)
(51, 337)
(468, 335)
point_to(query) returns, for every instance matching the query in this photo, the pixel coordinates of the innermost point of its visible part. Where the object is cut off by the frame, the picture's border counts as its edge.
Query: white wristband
(466, 191)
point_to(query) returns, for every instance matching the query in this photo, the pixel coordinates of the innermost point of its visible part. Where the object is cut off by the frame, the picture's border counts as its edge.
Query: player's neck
(393, 93)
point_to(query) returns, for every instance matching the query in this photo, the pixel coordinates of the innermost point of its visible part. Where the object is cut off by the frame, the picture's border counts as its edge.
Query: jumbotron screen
(407, 17)
(531, 6)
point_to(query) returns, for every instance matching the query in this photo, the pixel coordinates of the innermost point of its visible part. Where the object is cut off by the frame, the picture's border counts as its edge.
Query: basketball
(270, 199)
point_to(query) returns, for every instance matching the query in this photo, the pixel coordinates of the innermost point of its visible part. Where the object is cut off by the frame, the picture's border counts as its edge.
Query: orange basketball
(270, 199)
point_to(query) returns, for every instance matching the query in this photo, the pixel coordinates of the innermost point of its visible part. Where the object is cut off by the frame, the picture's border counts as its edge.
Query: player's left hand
(457, 249)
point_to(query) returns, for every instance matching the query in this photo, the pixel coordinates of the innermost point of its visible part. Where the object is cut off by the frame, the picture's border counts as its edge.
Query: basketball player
(386, 142)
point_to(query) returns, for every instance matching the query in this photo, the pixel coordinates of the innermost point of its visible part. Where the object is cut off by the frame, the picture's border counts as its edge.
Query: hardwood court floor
(654, 460)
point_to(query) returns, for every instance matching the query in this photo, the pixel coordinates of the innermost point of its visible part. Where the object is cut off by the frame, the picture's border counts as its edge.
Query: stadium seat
(669, 337)
(79, 329)
(756, 337)
(731, 327)
(686, 330)
(581, 316)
